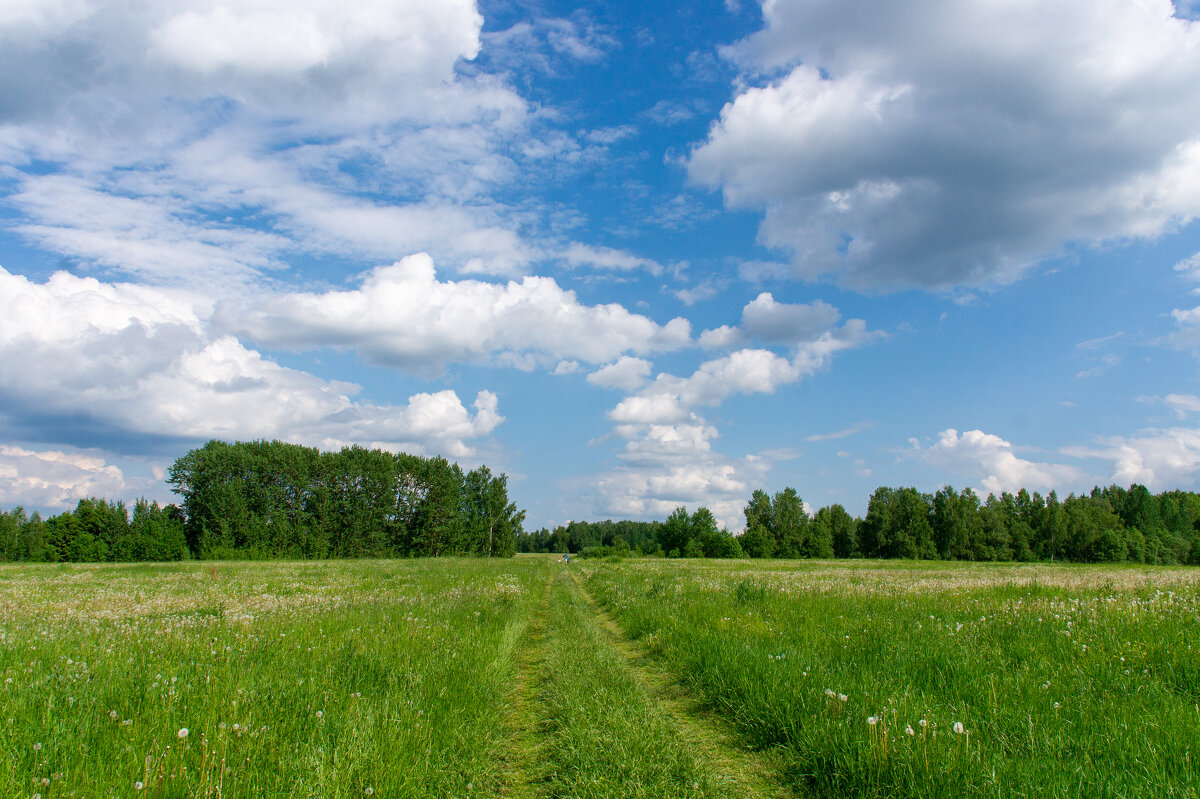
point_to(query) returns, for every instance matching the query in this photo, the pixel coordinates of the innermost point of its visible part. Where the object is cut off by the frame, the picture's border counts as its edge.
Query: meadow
(644, 678)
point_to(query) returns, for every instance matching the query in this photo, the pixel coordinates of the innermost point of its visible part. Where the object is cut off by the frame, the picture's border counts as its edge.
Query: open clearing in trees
(527, 677)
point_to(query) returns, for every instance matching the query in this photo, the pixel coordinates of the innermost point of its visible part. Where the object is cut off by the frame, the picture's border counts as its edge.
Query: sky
(634, 255)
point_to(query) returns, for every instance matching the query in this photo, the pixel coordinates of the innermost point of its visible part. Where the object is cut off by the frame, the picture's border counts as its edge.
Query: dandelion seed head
(183, 732)
(958, 728)
(908, 730)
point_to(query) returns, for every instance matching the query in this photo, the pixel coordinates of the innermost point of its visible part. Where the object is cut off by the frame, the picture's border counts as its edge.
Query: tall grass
(324, 680)
(882, 680)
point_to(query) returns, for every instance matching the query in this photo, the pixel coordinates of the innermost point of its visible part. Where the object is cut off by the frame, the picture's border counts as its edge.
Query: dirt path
(755, 774)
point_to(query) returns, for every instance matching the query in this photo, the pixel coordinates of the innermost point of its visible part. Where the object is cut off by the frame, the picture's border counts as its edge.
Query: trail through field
(524, 721)
(751, 774)
(601, 721)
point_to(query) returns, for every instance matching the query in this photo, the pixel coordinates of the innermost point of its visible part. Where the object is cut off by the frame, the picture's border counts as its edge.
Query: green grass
(321, 680)
(1066, 681)
(475, 678)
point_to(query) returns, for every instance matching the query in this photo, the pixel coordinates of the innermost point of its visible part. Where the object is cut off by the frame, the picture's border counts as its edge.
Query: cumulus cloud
(287, 57)
(667, 465)
(774, 323)
(992, 462)
(402, 315)
(180, 154)
(625, 373)
(668, 460)
(141, 361)
(1159, 458)
(759, 371)
(649, 409)
(943, 144)
(55, 479)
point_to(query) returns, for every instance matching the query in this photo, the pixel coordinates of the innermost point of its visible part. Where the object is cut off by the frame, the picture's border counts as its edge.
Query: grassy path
(697, 753)
(523, 768)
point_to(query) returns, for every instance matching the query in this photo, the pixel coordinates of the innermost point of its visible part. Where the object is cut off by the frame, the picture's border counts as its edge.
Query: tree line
(694, 535)
(1108, 525)
(270, 499)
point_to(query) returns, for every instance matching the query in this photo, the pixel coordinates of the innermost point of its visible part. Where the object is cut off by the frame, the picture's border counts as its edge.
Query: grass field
(527, 678)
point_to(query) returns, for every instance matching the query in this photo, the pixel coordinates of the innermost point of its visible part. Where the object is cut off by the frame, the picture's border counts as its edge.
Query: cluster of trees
(607, 537)
(694, 535)
(269, 499)
(95, 531)
(1109, 524)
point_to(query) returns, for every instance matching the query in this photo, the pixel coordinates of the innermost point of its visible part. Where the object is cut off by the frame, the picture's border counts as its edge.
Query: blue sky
(635, 256)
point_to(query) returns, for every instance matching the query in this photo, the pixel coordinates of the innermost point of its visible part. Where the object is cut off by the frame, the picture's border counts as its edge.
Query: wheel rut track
(754, 773)
(523, 721)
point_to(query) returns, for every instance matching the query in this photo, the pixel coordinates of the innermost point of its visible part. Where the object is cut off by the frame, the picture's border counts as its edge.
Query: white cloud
(625, 373)
(182, 155)
(1182, 404)
(667, 465)
(1190, 267)
(993, 463)
(367, 59)
(55, 479)
(772, 322)
(668, 458)
(1187, 329)
(1159, 458)
(141, 361)
(649, 409)
(577, 255)
(941, 144)
(402, 315)
(852, 430)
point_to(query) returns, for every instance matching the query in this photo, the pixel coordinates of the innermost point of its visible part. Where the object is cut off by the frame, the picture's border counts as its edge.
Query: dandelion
(923, 723)
(45, 781)
(829, 693)
(958, 728)
(908, 730)
(112, 714)
(320, 714)
(369, 791)
(842, 697)
(137, 786)
(183, 733)
(872, 720)
(37, 747)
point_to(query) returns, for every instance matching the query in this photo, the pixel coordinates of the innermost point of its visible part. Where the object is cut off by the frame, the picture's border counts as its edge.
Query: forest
(1108, 525)
(273, 500)
(269, 499)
